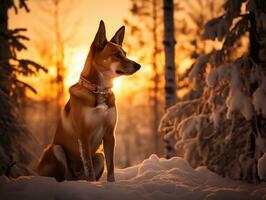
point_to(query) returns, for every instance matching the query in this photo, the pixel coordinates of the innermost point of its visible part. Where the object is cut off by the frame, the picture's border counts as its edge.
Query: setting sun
(117, 84)
(74, 65)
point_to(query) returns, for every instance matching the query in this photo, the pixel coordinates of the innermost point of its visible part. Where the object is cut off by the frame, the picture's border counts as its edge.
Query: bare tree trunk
(59, 58)
(258, 34)
(170, 81)
(4, 48)
(155, 105)
(5, 109)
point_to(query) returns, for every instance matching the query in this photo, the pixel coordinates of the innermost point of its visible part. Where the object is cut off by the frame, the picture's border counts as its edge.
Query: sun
(76, 62)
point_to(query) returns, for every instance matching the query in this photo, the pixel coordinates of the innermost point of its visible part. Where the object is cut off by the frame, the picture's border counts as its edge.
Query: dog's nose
(137, 66)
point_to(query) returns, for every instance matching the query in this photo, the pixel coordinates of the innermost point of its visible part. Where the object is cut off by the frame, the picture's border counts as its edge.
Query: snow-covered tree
(146, 40)
(190, 18)
(224, 128)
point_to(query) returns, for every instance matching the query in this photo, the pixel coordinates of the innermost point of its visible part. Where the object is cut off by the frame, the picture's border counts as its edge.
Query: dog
(89, 117)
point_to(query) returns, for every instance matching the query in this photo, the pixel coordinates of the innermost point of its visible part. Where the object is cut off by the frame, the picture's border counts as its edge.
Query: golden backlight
(90, 12)
(75, 65)
(75, 59)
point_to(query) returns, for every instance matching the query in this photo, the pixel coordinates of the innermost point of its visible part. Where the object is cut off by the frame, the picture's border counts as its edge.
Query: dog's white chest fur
(95, 117)
(95, 120)
(98, 120)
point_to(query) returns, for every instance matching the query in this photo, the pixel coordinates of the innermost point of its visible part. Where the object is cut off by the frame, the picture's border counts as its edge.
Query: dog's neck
(90, 73)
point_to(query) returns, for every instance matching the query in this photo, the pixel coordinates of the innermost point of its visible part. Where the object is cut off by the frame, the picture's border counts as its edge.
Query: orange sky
(82, 19)
(89, 11)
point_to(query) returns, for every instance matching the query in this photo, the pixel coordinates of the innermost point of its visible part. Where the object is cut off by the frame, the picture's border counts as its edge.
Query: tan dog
(89, 116)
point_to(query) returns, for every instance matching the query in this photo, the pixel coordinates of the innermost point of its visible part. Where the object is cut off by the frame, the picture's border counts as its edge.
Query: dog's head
(109, 58)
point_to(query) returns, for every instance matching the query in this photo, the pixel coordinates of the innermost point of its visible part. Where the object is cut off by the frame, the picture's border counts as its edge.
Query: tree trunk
(5, 109)
(155, 105)
(170, 81)
(258, 34)
(4, 48)
(257, 39)
(9, 122)
(59, 58)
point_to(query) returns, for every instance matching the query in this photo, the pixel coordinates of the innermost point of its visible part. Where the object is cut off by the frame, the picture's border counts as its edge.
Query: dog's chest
(98, 121)
(95, 117)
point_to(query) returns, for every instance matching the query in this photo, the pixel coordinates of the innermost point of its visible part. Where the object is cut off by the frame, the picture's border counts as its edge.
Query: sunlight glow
(74, 65)
(117, 84)
(184, 64)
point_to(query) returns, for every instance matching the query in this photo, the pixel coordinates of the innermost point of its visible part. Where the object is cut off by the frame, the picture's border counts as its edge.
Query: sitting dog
(89, 117)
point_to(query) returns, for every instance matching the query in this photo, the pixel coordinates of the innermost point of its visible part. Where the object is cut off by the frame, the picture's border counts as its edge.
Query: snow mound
(153, 179)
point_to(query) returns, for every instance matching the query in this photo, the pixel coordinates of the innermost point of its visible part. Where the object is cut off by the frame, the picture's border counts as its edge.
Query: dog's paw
(90, 178)
(111, 178)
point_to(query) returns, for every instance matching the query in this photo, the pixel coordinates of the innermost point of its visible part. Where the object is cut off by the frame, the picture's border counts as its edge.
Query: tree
(58, 30)
(12, 89)
(60, 54)
(148, 13)
(190, 19)
(170, 80)
(156, 76)
(226, 131)
(146, 40)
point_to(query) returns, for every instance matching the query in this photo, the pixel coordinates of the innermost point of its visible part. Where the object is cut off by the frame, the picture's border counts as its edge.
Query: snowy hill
(153, 179)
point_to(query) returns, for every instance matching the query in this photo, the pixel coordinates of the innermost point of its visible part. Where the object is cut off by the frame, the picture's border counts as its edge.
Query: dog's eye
(118, 55)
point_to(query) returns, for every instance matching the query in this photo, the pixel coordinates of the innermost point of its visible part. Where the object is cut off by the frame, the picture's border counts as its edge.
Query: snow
(224, 71)
(198, 67)
(152, 179)
(237, 101)
(262, 167)
(216, 118)
(259, 98)
(212, 78)
(190, 126)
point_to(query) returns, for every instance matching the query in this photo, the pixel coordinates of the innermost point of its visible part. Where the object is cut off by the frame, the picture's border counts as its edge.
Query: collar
(93, 87)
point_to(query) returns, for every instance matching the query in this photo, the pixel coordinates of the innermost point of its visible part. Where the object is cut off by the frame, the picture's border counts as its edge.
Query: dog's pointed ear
(119, 36)
(100, 37)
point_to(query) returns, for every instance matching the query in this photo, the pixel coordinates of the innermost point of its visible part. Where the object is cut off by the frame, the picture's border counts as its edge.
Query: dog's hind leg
(61, 157)
(98, 165)
(53, 163)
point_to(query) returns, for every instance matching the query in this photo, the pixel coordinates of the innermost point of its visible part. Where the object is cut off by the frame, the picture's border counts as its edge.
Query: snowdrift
(153, 179)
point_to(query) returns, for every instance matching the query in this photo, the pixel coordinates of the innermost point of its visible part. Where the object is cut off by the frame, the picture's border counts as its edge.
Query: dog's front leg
(108, 145)
(86, 157)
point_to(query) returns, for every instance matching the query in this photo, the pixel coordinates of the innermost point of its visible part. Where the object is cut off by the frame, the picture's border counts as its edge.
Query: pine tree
(224, 128)
(191, 17)
(12, 130)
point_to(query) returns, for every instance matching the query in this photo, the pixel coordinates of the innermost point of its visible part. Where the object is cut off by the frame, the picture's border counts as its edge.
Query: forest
(191, 116)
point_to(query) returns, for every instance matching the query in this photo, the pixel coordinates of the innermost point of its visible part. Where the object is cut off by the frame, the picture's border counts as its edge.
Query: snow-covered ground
(153, 179)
